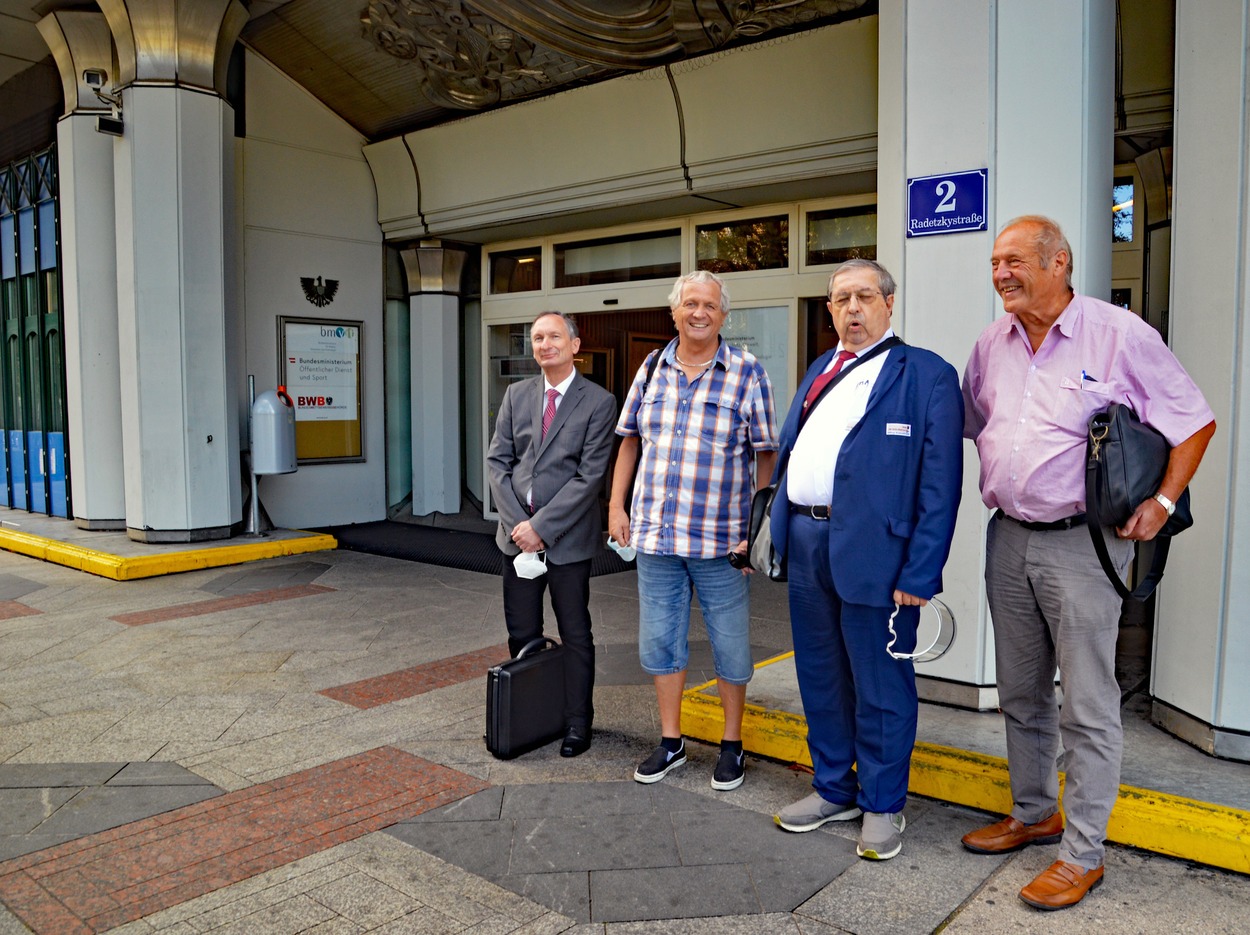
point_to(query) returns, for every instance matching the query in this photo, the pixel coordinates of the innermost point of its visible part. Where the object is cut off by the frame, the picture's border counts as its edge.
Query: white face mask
(626, 552)
(530, 565)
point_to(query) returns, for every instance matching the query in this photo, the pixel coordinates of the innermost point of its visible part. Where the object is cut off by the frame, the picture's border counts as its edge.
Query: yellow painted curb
(1155, 821)
(120, 568)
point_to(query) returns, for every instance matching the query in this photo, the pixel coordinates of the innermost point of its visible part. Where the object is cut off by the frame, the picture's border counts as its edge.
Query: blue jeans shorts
(665, 583)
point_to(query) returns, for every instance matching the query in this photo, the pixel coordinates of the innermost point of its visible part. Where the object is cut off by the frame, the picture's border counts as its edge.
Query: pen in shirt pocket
(1085, 376)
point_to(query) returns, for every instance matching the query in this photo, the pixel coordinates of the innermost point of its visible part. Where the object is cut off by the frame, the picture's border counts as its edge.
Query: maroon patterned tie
(550, 412)
(822, 381)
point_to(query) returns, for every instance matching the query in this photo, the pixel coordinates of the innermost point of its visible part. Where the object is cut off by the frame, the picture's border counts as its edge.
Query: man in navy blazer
(871, 476)
(547, 459)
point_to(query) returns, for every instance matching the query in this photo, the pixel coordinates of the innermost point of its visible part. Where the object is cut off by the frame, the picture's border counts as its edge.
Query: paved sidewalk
(307, 733)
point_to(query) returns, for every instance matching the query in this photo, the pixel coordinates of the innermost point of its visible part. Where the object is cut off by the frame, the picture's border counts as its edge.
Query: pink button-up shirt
(1029, 413)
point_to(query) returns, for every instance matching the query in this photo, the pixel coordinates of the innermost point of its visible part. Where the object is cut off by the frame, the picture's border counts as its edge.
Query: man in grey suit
(553, 437)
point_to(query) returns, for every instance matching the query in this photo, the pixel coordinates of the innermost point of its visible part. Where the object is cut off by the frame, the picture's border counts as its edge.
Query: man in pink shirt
(1034, 379)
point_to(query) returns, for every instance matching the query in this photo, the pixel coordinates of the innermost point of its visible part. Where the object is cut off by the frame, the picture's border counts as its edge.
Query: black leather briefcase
(525, 699)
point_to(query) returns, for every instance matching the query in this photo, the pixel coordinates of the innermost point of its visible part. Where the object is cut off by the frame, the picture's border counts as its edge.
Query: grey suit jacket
(565, 470)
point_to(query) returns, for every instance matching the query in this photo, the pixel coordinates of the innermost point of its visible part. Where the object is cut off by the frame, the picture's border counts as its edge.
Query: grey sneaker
(810, 813)
(881, 836)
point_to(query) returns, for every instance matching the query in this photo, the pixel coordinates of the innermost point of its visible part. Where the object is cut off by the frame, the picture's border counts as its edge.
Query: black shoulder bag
(760, 552)
(1124, 465)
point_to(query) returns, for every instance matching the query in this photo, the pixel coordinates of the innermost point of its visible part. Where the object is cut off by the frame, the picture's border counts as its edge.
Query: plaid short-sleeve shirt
(693, 488)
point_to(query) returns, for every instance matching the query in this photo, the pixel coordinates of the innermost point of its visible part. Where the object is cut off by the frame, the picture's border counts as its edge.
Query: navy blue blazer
(897, 484)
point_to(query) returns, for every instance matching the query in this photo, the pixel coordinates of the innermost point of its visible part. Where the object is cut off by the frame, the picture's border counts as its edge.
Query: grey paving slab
(671, 893)
(583, 842)
(98, 809)
(486, 805)
(15, 587)
(154, 774)
(52, 775)
(566, 893)
(262, 576)
(566, 799)
(24, 810)
(481, 847)
(734, 835)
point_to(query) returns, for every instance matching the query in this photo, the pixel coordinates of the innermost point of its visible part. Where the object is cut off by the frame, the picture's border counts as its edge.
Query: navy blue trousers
(860, 703)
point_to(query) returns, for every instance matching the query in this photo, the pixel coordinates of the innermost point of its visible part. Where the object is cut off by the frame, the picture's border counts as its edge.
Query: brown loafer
(1061, 885)
(1011, 834)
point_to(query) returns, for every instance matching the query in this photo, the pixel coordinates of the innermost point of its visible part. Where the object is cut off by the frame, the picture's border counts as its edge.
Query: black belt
(815, 512)
(1070, 523)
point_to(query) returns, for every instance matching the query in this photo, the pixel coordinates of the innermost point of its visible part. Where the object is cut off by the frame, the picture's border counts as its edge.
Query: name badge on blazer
(898, 428)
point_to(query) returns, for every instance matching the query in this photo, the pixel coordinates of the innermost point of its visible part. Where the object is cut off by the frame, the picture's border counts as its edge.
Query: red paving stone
(11, 609)
(407, 683)
(218, 604)
(108, 879)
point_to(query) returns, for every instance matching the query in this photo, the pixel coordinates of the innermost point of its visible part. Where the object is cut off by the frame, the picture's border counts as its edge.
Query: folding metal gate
(32, 370)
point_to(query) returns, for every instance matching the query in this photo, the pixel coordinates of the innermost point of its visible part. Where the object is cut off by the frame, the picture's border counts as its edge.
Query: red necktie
(550, 412)
(822, 381)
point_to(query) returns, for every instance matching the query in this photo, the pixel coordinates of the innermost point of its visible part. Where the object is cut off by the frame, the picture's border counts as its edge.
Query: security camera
(94, 77)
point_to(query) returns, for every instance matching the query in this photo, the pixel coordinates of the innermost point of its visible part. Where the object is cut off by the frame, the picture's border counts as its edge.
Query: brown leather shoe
(1061, 885)
(1011, 834)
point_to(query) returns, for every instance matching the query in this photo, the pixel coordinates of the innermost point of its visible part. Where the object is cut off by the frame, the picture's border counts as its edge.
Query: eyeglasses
(843, 299)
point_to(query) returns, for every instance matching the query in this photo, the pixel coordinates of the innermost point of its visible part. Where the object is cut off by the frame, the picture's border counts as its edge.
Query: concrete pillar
(1202, 634)
(82, 46)
(174, 187)
(1024, 91)
(434, 274)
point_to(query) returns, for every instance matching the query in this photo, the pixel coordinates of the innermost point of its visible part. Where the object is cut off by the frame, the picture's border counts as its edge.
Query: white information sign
(321, 371)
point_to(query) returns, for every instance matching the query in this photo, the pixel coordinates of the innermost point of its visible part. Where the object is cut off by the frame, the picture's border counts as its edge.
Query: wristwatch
(1166, 503)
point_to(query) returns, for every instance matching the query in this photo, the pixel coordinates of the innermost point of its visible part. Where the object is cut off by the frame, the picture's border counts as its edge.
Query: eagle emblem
(318, 293)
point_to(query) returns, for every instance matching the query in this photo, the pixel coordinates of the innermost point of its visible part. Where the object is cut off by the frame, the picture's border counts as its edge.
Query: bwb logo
(312, 402)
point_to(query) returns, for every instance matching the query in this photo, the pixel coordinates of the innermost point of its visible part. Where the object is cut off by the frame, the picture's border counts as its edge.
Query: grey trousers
(1052, 605)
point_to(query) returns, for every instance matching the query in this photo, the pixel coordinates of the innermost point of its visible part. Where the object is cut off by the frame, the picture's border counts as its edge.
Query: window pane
(841, 234)
(758, 243)
(516, 270)
(655, 255)
(1122, 211)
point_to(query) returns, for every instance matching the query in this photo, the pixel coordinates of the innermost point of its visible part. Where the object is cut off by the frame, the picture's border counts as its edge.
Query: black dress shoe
(576, 741)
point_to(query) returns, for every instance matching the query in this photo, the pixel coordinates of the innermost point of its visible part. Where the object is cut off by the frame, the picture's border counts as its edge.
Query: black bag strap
(892, 341)
(1157, 562)
(652, 362)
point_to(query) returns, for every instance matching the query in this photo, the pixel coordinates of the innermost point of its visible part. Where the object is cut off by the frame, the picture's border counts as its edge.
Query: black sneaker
(729, 770)
(659, 764)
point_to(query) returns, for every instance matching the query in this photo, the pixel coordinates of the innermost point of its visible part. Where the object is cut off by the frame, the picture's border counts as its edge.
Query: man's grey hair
(1049, 240)
(700, 276)
(568, 322)
(885, 282)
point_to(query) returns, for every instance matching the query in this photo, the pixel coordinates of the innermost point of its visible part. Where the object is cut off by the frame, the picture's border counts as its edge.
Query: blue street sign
(946, 204)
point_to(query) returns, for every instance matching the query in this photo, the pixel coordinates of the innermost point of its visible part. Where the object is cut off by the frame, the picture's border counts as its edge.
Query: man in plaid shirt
(694, 431)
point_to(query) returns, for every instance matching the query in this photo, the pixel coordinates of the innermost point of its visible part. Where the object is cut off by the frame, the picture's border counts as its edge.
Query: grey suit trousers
(1052, 605)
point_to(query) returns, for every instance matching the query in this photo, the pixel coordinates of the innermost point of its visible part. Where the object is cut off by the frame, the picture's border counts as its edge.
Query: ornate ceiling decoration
(466, 58)
(404, 64)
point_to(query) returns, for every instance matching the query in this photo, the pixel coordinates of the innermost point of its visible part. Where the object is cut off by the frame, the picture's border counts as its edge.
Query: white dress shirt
(809, 476)
(561, 389)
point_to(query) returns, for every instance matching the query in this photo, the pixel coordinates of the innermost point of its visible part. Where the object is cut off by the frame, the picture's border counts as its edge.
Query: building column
(1202, 632)
(434, 274)
(1025, 92)
(82, 46)
(174, 193)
